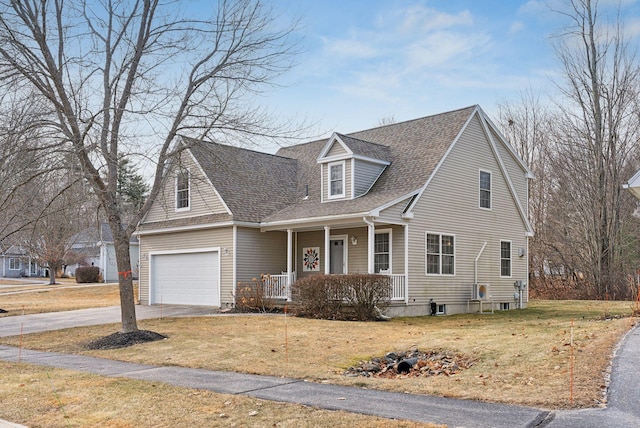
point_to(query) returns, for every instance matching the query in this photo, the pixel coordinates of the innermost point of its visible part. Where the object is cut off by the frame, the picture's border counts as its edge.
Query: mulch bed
(412, 363)
(122, 340)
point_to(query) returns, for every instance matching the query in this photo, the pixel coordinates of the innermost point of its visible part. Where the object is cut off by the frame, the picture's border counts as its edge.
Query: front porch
(279, 286)
(367, 247)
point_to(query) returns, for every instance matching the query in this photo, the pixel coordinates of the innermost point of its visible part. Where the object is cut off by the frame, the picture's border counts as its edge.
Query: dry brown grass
(64, 297)
(523, 356)
(51, 398)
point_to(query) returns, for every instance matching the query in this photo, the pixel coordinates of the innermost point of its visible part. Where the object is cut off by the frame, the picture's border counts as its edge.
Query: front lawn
(522, 356)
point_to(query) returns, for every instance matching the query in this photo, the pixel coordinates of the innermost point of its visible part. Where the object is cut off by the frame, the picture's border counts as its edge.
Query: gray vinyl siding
(347, 182)
(449, 205)
(394, 213)
(516, 173)
(260, 253)
(204, 199)
(336, 150)
(221, 237)
(365, 174)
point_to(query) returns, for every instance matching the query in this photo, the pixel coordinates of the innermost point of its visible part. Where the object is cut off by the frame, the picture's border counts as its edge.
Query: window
(182, 190)
(441, 310)
(336, 180)
(440, 254)
(382, 252)
(14, 263)
(485, 189)
(505, 258)
(504, 306)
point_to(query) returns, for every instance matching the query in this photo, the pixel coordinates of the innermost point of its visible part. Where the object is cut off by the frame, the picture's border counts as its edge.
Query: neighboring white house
(15, 262)
(438, 203)
(108, 264)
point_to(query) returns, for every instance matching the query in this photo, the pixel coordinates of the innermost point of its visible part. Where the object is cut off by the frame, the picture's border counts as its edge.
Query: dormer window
(336, 180)
(182, 191)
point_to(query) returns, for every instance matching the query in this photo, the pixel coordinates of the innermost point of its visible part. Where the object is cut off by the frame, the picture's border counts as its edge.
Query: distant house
(633, 185)
(107, 255)
(438, 203)
(15, 262)
(84, 251)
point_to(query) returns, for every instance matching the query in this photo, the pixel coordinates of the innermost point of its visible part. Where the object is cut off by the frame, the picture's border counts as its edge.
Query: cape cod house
(438, 203)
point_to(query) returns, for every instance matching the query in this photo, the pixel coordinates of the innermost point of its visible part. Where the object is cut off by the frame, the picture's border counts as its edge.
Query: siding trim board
(507, 178)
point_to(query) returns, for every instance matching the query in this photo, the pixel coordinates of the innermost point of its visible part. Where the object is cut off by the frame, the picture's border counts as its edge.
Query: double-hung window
(183, 196)
(14, 263)
(440, 257)
(382, 252)
(336, 180)
(485, 189)
(505, 258)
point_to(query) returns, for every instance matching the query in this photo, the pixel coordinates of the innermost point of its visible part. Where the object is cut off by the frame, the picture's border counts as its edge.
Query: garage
(190, 278)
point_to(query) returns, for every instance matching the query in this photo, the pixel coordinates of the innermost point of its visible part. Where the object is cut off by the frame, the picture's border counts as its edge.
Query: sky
(363, 61)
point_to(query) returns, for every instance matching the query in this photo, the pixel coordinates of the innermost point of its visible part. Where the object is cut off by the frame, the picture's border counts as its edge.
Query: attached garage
(185, 278)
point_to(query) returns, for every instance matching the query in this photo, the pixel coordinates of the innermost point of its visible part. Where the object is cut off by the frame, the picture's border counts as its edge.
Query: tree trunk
(125, 280)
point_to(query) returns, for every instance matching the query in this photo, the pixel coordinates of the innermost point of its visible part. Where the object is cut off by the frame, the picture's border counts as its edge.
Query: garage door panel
(185, 279)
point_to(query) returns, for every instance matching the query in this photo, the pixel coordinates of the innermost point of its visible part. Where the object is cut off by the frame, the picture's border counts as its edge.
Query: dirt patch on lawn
(123, 340)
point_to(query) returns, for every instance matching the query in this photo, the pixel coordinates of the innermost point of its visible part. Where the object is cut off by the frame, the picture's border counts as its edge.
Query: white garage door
(185, 279)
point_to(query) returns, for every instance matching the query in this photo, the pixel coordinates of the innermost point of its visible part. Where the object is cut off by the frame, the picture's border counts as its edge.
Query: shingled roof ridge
(411, 120)
(235, 147)
(360, 139)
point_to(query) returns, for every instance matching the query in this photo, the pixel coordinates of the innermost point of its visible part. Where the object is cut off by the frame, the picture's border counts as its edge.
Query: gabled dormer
(349, 167)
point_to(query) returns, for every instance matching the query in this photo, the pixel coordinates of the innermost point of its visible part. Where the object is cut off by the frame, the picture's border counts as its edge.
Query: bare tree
(527, 126)
(66, 209)
(596, 132)
(120, 77)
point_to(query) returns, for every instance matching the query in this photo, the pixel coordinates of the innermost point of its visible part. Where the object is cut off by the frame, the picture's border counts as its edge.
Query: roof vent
(306, 192)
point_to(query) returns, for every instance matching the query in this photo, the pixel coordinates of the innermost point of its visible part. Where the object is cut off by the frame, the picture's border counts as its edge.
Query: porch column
(327, 250)
(406, 263)
(289, 251)
(371, 237)
(289, 262)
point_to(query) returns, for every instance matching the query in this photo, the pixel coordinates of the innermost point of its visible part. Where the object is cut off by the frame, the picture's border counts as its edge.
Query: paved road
(623, 409)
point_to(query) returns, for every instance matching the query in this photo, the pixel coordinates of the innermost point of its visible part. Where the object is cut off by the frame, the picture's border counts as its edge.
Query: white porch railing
(398, 286)
(278, 286)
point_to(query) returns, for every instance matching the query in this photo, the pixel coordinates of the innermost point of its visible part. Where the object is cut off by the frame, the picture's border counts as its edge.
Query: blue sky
(364, 60)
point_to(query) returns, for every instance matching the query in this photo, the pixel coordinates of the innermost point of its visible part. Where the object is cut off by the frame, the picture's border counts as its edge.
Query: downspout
(475, 263)
(371, 236)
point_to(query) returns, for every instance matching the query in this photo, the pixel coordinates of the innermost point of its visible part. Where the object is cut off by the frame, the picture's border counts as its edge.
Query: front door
(336, 264)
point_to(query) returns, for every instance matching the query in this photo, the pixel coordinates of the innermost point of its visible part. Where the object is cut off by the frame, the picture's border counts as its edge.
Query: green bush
(85, 274)
(354, 296)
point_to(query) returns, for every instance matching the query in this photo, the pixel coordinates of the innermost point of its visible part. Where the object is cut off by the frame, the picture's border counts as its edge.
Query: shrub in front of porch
(355, 296)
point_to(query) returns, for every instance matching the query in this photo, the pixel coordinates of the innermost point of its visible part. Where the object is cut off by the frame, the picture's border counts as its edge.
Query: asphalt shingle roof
(260, 187)
(252, 184)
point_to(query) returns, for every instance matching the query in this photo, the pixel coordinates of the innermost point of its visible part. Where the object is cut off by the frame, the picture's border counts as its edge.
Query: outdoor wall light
(354, 240)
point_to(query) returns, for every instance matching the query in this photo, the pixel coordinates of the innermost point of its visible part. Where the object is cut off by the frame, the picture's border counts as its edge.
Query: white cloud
(516, 27)
(349, 48)
(421, 19)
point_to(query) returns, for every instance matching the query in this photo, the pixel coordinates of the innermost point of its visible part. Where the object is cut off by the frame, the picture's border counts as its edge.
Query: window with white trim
(183, 193)
(440, 254)
(14, 263)
(336, 182)
(382, 251)
(485, 189)
(505, 258)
